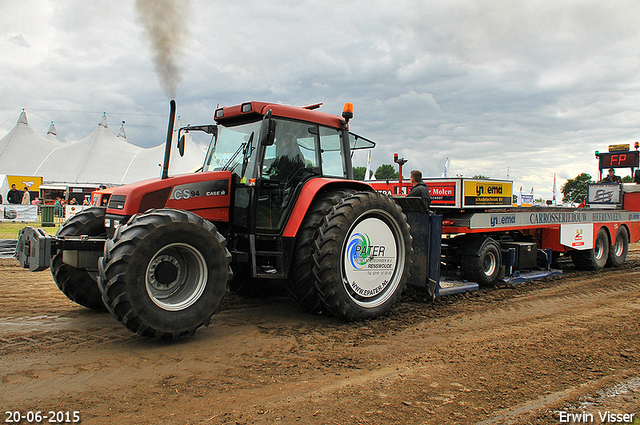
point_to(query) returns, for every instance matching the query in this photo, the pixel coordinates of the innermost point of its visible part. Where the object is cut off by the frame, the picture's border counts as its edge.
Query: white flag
(555, 188)
(519, 201)
(445, 170)
(366, 173)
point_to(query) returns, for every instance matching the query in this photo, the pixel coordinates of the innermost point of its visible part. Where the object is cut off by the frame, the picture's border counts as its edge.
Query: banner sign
(444, 193)
(71, 210)
(482, 193)
(18, 212)
(577, 236)
(604, 194)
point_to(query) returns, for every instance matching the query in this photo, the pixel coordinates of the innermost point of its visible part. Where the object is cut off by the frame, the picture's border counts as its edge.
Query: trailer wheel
(484, 267)
(300, 285)
(595, 258)
(361, 256)
(618, 252)
(164, 273)
(79, 285)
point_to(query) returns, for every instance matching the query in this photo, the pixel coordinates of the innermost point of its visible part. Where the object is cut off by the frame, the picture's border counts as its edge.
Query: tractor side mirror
(181, 145)
(267, 137)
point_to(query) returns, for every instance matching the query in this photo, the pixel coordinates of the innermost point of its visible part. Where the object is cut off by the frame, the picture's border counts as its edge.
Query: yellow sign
(487, 192)
(619, 148)
(31, 182)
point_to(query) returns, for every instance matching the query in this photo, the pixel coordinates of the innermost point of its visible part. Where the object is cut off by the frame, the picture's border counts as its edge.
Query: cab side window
(333, 163)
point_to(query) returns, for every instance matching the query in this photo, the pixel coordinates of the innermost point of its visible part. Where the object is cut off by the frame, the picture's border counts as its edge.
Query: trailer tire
(350, 284)
(300, 286)
(484, 267)
(595, 258)
(619, 250)
(164, 273)
(79, 285)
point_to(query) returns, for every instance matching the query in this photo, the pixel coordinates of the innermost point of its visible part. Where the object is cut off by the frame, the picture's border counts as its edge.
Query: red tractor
(275, 199)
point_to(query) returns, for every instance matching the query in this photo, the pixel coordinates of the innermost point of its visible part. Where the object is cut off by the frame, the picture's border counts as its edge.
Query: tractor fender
(309, 192)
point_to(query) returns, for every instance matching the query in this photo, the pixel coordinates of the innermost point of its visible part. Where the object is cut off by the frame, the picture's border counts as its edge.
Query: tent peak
(103, 121)
(122, 133)
(52, 130)
(22, 119)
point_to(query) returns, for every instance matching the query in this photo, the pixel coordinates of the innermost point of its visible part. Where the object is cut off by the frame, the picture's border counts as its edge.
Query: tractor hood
(206, 194)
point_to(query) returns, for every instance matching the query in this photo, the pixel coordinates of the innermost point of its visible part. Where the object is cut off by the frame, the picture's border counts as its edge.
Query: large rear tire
(618, 252)
(361, 256)
(79, 285)
(300, 285)
(595, 258)
(164, 273)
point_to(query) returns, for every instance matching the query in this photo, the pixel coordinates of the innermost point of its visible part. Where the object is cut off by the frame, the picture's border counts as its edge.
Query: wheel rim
(618, 249)
(176, 277)
(372, 259)
(599, 249)
(489, 264)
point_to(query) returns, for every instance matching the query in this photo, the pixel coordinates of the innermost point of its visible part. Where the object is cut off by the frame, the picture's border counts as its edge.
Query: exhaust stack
(167, 149)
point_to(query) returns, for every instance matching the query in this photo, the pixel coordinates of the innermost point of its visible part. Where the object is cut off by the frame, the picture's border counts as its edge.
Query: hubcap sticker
(370, 257)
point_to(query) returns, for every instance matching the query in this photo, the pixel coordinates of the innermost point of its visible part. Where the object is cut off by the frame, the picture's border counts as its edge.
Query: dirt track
(498, 356)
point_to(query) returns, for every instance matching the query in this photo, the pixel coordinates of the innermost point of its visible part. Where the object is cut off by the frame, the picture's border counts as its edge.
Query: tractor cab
(272, 151)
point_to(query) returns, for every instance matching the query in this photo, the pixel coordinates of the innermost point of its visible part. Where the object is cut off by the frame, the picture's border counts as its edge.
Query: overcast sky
(533, 87)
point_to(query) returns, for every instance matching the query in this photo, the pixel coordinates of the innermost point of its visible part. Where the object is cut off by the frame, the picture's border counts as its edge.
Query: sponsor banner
(604, 194)
(18, 212)
(619, 148)
(391, 188)
(486, 220)
(444, 193)
(31, 182)
(481, 193)
(71, 210)
(577, 236)
(526, 200)
(370, 258)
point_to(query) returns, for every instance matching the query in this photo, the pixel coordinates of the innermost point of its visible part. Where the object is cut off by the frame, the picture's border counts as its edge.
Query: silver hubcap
(599, 249)
(176, 277)
(489, 265)
(619, 248)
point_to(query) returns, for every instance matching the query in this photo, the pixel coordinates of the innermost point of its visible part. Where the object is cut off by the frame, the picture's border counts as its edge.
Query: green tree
(480, 176)
(386, 172)
(574, 190)
(358, 172)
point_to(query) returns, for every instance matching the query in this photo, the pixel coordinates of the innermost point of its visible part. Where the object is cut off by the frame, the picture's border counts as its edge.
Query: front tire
(362, 256)
(79, 285)
(164, 273)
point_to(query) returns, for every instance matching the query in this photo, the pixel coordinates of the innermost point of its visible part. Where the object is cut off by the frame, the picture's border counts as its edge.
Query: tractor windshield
(234, 149)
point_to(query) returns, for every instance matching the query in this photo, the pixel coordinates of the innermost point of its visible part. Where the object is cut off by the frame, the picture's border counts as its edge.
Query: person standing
(611, 177)
(419, 189)
(26, 196)
(13, 196)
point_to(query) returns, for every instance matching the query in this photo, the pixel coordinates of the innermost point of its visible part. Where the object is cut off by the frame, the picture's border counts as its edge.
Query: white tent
(100, 157)
(22, 150)
(148, 162)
